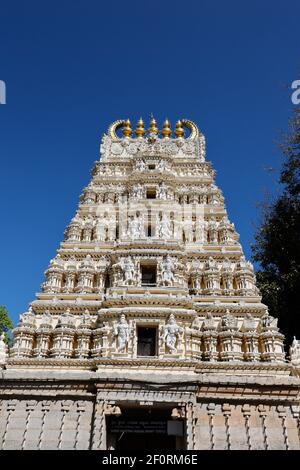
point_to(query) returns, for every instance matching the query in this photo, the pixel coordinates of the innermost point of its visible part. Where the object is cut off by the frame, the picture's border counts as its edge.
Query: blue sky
(73, 67)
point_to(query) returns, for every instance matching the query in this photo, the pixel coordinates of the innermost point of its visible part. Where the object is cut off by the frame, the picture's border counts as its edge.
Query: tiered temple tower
(149, 313)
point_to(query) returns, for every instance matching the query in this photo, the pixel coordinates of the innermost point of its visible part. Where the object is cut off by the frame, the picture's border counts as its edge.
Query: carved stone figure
(163, 225)
(162, 166)
(167, 268)
(121, 332)
(229, 322)
(171, 334)
(187, 226)
(200, 231)
(209, 323)
(268, 322)
(136, 226)
(212, 231)
(129, 270)
(140, 165)
(295, 351)
(138, 191)
(162, 192)
(111, 227)
(101, 228)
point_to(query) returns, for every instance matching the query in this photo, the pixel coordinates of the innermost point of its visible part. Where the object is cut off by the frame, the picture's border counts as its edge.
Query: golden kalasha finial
(166, 130)
(140, 129)
(179, 131)
(127, 131)
(153, 129)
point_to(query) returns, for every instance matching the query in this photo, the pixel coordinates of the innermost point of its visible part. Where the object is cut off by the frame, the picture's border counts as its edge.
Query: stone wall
(45, 424)
(69, 412)
(244, 427)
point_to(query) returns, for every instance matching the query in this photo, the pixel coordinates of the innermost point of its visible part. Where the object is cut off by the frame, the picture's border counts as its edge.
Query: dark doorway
(144, 429)
(146, 343)
(151, 193)
(148, 275)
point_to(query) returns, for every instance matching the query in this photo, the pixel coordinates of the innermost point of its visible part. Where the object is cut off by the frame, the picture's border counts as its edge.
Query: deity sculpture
(229, 322)
(167, 275)
(267, 321)
(295, 350)
(111, 227)
(200, 230)
(129, 270)
(136, 226)
(212, 231)
(161, 165)
(163, 225)
(187, 226)
(171, 334)
(101, 228)
(121, 332)
(138, 191)
(140, 165)
(162, 192)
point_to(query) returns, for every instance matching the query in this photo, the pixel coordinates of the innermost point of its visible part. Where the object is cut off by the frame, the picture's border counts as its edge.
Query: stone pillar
(293, 426)
(263, 416)
(23, 340)
(202, 428)
(246, 410)
(45, 407)
(190, 426)
(43, 337)
(8, 434)
(63, 337)
(99, 426)
(28, 432)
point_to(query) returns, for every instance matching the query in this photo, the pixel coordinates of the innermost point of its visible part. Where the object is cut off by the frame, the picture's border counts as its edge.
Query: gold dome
(179, 131)
(166, 130)
(153, 129)
(140, 129)
(127, 131)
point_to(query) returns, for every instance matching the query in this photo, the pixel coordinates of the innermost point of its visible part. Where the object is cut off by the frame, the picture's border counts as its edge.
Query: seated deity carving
(229, 322)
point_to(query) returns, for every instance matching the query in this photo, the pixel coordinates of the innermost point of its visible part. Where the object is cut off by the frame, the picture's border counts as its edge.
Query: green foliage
(277, 247)
(5, 322)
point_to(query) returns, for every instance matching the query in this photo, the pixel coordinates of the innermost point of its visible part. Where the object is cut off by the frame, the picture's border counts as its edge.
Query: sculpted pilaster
(210, 338)
(250, 339)
(43, 336)
(24, 335)
(85, 275)
(3, 349)
(63, 337)
(271, 340)
(230, 339)
(83, 334)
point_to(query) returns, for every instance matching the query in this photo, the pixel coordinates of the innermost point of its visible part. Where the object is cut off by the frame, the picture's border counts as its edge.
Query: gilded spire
(140, 129)
(166, 130)
(153, 129)
(127, 131)
(179, 131)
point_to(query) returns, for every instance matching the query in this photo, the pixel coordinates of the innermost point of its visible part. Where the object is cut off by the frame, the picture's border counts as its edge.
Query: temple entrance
(145, 429)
